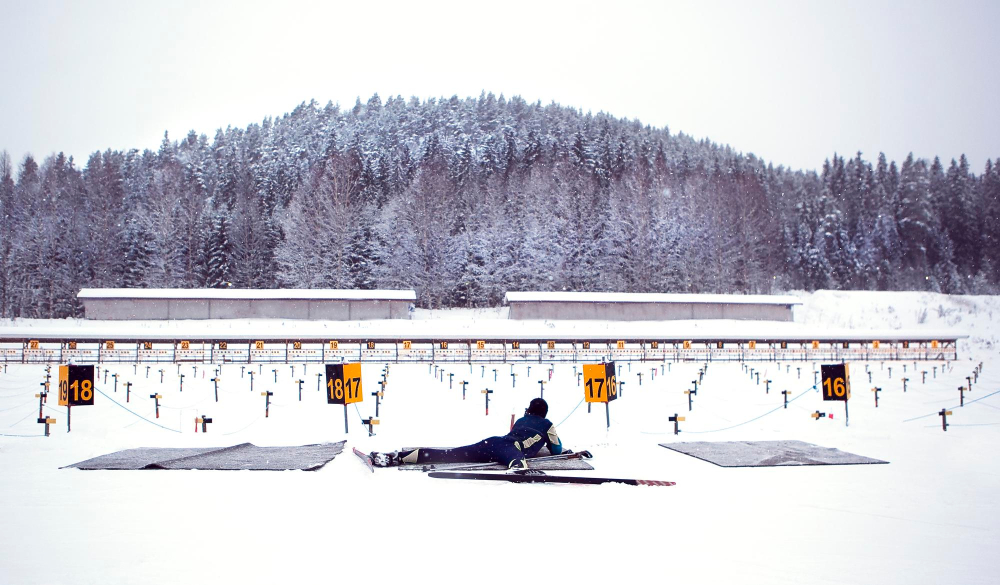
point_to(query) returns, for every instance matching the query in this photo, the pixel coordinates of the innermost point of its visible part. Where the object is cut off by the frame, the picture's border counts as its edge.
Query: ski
(473, 466)
(365, 459)
(540, 478)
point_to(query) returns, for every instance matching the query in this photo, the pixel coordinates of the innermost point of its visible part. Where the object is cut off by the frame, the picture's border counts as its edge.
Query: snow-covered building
(648, 306)
(314, 304)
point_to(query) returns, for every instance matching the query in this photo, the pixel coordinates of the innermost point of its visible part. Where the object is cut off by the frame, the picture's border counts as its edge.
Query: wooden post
(487, 392)
(267, 403)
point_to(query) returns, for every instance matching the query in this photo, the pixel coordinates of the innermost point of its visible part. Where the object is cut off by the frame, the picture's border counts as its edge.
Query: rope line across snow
(134, 413)
(967, 402)
(782, 406)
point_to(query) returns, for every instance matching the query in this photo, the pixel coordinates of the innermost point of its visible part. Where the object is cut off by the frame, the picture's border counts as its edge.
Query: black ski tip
(519, 477)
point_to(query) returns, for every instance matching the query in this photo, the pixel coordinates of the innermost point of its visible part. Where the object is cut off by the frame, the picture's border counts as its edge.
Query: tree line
(465, 199)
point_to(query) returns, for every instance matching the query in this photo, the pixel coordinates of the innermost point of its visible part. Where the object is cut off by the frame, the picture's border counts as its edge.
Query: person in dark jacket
(526, 438)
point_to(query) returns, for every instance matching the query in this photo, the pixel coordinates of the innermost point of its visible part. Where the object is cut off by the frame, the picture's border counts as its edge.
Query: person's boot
(384, 459)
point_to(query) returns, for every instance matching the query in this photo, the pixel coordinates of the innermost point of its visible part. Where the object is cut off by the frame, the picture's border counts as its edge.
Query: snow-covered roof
(603, 297)
(247, 294)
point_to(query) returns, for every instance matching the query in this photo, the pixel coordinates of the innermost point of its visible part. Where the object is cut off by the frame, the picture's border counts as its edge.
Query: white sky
(789, 81)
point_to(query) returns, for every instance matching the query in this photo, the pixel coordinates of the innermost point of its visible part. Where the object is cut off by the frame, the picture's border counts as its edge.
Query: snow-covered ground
(929, 516)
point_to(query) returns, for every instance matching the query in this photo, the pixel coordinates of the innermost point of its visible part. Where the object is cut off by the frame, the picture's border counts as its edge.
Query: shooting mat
(768, 454)
(243, 456)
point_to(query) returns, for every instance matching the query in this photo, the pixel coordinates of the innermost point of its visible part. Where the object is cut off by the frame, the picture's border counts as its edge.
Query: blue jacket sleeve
(555, 443)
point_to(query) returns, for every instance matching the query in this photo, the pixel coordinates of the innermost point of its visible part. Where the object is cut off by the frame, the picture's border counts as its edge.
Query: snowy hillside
(929, 516)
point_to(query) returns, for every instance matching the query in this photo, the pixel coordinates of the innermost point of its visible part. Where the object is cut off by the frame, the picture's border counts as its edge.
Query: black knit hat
(538, 407)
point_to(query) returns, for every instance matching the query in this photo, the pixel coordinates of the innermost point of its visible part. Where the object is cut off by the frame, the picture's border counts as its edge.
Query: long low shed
(313, 304)
(648, 306)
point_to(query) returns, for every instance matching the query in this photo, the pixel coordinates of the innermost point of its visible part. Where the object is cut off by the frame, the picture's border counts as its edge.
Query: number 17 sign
(599, 382)
(343, 384)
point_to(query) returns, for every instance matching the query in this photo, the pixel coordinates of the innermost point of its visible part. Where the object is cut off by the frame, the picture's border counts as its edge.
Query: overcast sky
(792, 82)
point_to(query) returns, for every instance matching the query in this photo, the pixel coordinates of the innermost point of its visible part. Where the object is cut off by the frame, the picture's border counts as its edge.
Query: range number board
(76, 385)
(599, 382)
(836, 382)
(343, 383)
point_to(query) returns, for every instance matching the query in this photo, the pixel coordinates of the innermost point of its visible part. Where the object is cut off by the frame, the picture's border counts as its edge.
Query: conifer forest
(463, 200)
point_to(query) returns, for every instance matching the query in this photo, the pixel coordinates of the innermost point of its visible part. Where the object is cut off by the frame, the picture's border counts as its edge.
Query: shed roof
(604, 297)
(320, 294)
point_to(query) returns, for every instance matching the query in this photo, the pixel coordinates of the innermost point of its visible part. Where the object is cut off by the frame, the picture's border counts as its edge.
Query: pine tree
(959, 218)
(6, 233)
(917, 223)
(990, 209)
(217, 251)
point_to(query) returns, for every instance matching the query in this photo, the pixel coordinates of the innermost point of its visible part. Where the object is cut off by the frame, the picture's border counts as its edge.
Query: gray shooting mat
(243, 456)
(768, 454)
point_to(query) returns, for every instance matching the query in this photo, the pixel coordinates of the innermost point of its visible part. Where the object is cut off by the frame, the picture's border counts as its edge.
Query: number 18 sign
(76, 385)
(343, 383)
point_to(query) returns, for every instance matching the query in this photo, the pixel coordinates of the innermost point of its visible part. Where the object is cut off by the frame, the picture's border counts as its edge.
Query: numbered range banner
(260, 352)
(76, 385)
(559, 352)
(12, 352)
(446, 351)
(532, 352)
(336, 351)
(593, 352)
(225, 352)
(415, 352)
(378, 352)
(487, 352)
(836, 382)
(41, 353)
(190, 352)
(305, 352)
(627, 352)
(111, 351)
(343, 383)
(599, 382)
(81, 353)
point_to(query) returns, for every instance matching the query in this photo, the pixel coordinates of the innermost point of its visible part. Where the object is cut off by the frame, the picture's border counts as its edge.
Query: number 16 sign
(837, 385)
